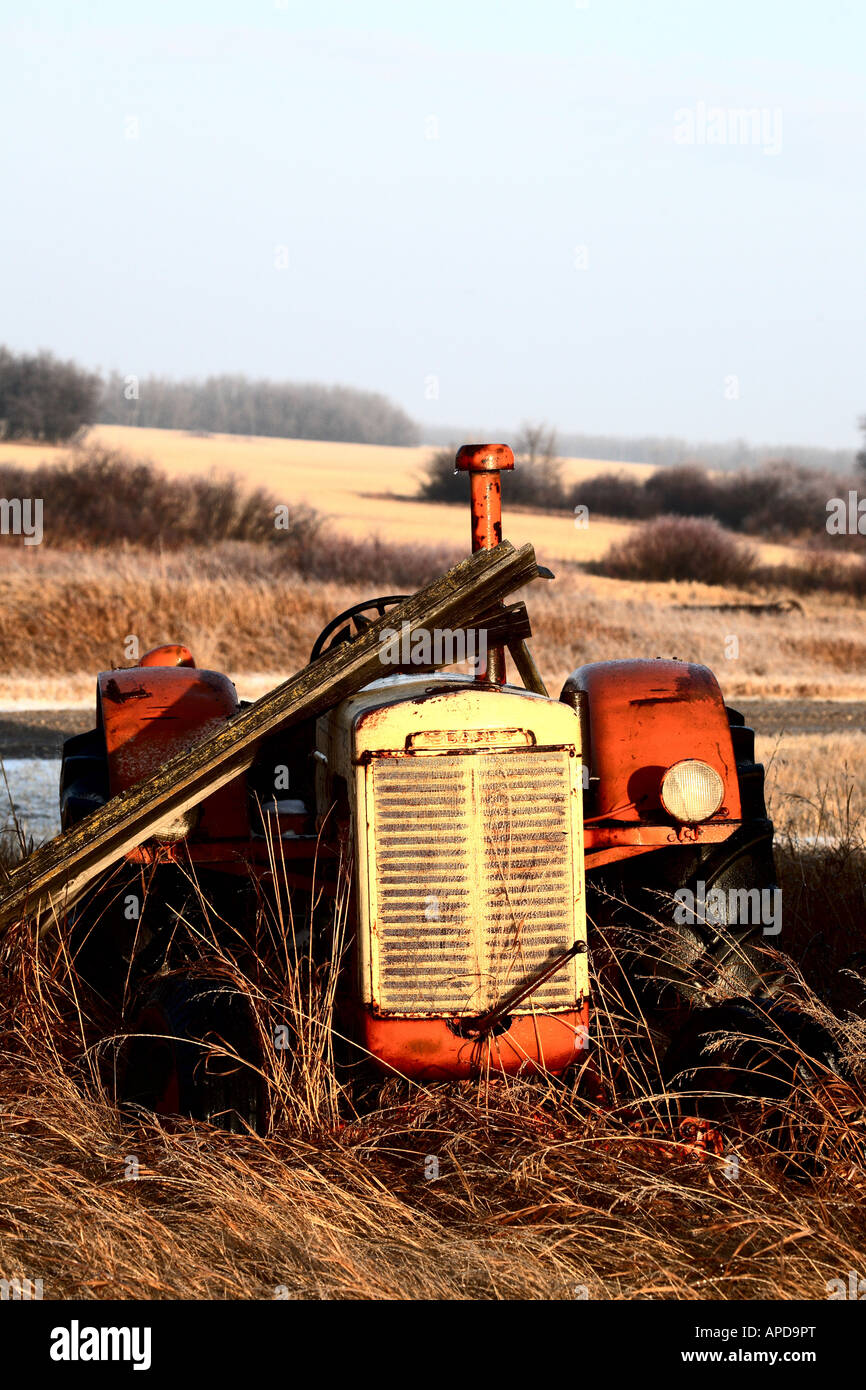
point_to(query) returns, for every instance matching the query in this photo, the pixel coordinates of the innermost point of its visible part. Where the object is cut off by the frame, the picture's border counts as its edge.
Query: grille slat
(474, 880)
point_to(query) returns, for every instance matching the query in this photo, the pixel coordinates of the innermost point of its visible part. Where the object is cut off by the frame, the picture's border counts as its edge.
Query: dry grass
(65, 615)
(816, 785)
(543, 1191)
(796, 653)
(546, 1189)
(237, 607)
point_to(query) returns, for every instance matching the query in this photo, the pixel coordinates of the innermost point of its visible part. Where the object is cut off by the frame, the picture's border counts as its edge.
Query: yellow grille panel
(472, 880)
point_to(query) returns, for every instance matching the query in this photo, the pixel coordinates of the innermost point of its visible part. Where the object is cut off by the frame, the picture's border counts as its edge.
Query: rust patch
(659, 700)
(112, 691)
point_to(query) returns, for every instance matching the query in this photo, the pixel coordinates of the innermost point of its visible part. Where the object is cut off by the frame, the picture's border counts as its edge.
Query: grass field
(64, 615)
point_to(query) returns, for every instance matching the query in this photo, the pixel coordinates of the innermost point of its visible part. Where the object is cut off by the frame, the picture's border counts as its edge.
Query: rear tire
(673, 963)
(669, 960)
(766, 1068)
(175, 1060)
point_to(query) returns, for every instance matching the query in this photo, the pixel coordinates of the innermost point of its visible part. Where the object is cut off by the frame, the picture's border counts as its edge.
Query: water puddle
(33, 784)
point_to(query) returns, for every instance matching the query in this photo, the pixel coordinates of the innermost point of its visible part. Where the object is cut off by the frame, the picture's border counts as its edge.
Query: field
(365, 489)
(542, 1191)
(65, 615)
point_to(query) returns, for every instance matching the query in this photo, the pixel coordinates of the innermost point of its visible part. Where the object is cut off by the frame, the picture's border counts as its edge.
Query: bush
(777, 500)
(679, 548)
(685, 491)
(45, 399)
(612, 494)
(101, 497)
(441, 481)
(535, 485)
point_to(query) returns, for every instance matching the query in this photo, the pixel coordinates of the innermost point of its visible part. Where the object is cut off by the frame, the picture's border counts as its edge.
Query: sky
(609, 215)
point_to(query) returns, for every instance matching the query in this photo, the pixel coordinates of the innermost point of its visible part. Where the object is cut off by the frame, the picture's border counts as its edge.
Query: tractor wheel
(671, 956)
(768, 1060)
(194, 1050)
(674, 959)
(761, 1048)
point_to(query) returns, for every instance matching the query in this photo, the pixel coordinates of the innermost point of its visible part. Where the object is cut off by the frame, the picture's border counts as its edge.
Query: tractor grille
(473, 880)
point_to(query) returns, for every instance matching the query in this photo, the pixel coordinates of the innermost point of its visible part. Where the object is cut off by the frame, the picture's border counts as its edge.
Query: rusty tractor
(486, 822)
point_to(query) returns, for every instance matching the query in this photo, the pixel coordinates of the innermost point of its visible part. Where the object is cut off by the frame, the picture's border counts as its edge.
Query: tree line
(665, 451)
(235, 404)
(51, 401)
(45, 399)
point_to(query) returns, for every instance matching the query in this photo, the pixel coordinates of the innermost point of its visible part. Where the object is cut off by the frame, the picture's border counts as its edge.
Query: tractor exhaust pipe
(483, 463)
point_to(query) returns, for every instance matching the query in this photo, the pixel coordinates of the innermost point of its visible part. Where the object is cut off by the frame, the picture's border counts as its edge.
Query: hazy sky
(490, 210)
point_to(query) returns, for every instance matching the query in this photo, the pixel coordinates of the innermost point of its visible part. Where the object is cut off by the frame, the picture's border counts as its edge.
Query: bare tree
(536, 444)
(537, 478)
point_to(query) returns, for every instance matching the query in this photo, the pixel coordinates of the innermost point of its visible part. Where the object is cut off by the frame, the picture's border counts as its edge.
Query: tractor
(486, 823)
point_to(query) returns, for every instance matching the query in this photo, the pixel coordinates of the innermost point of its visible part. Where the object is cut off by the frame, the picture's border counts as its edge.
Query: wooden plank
(61, 869)
(505, 624)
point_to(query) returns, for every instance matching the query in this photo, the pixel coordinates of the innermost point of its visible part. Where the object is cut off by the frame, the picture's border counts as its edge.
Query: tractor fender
(642, 716)
(148, 714)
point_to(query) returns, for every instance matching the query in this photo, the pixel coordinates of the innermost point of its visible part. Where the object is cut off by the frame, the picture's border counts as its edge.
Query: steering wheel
(356, 621)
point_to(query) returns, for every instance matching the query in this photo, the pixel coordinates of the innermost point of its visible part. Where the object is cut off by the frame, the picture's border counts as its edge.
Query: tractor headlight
(692, 791)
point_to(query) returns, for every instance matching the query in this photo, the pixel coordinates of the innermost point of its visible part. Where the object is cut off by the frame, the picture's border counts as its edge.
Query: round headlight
(692, 791)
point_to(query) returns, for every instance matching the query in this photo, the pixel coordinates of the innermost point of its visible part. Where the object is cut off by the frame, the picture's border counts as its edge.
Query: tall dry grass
(593, 1186)
(236, 605)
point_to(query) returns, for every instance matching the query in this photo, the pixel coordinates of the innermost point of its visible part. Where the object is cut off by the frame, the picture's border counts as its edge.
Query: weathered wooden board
(58, 871)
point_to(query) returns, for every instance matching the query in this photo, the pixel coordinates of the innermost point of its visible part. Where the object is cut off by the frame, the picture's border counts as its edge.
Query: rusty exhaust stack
(483, 463)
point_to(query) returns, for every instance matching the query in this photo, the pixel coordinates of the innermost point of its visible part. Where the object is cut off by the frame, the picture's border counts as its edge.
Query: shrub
(673, 547)
(685, 491)
(101, 497)
(612, 494)
(535, 485)
(778, 500)
(441, 482)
